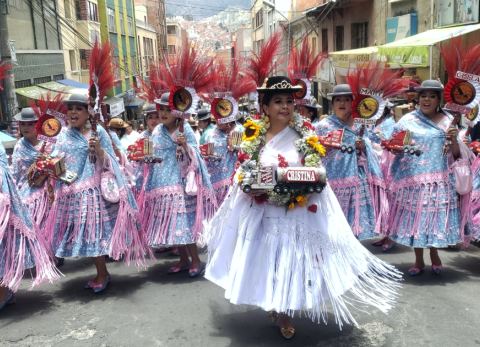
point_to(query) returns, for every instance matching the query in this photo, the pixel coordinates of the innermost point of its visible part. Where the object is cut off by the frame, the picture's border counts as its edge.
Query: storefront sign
(401, 27)
(454, 12)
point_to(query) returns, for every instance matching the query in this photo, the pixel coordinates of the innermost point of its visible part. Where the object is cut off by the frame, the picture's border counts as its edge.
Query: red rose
(242, 156)
(282, 162)
(308, 125)
(312, 208)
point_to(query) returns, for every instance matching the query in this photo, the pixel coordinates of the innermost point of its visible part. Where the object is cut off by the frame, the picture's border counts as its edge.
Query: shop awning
(352, 57)
(414, 51)
(74, 84)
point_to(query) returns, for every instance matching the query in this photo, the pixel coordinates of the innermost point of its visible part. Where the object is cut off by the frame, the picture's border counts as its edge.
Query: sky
(202, 8)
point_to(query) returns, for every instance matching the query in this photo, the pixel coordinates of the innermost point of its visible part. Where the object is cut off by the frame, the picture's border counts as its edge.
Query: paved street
(151, 308)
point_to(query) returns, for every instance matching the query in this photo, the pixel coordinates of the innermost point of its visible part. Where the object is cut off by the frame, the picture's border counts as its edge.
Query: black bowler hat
(432, 85)
(26, 115)
(278, 84)
(341, 90)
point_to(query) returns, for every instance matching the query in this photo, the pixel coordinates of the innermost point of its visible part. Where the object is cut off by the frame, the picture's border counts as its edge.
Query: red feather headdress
(49, 107)
(260, 66)
(188, 74)
(371, 85)
(101, 73)
(302, 67)
(462, 92)
(231, 84)
(154, 86)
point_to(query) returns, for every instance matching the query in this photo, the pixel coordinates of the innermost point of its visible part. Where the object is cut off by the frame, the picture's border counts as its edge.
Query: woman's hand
(94, 142)
(181, 140)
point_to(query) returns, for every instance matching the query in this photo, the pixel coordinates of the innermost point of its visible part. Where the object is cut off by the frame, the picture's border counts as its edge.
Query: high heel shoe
(98, 287)
(287, 333)
(415, 271)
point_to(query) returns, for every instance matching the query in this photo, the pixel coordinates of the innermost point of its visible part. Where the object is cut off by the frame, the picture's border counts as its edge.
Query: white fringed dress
(297, 260)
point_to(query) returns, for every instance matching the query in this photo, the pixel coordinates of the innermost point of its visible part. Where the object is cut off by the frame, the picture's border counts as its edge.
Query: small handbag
(191, 187)
(463, 177)
(109, 187)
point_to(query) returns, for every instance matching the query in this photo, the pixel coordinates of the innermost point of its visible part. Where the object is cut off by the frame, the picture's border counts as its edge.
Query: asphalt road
(151, 308)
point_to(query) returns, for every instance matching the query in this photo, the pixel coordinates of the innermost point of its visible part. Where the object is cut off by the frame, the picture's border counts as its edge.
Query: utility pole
(8, 98)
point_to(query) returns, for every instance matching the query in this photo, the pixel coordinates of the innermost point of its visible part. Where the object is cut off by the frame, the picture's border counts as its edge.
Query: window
(171, 30)
(258, 18)
(42, 80)
(130, 26)
(359, 35)
(324, 40)
(73, 60)
(92, 11)
(78, 10)
(83, 59)
(171, 49)
(23, 83)
(339, 38)
(111, 20)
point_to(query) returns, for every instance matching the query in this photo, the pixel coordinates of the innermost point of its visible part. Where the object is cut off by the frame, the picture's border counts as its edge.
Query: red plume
(101, 70)
(260, 66)
(458, 58)
(233, 79)
(45, 103)
(155, 86)
(303, 64)
(4, 67)
(375, 77)
(189, 68)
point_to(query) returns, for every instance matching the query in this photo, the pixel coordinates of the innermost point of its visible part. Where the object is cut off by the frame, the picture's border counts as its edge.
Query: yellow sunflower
(252, 130)
(313, 142)
(301, 200)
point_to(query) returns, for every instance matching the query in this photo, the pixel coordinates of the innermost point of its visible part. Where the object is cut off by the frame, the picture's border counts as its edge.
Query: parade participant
(117, 126)
(177, 195)
(130, 135)
(95, 215)
(194, 125)
(221, 144)
(425, 211)
(205, 124)
(21, 245)
(290, 252)
(25, 154)
(310, 110)
(357, 180)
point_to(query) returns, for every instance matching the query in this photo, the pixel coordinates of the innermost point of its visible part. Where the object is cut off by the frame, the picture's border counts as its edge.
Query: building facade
(152, 12)
(176, 36)
(147, 44)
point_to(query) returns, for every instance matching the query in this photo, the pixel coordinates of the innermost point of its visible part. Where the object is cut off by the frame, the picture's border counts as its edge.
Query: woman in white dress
(290, 252)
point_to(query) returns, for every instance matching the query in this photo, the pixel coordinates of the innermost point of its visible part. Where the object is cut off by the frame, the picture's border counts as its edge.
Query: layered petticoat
(474, 223)
(295, 261)
(21, 248)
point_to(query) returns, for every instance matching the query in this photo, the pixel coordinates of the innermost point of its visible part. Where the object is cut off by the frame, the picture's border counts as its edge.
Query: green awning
(24, 95)
(56, 87)
(414, 51)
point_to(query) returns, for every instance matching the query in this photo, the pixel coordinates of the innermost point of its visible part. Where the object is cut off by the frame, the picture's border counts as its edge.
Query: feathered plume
(232, 79)
(155, 86)
(101, 72)
(49, 107)
(189, 69)
(4, 67)
(377, 79)
(303, 63)
(260, 66)
(459, 58)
